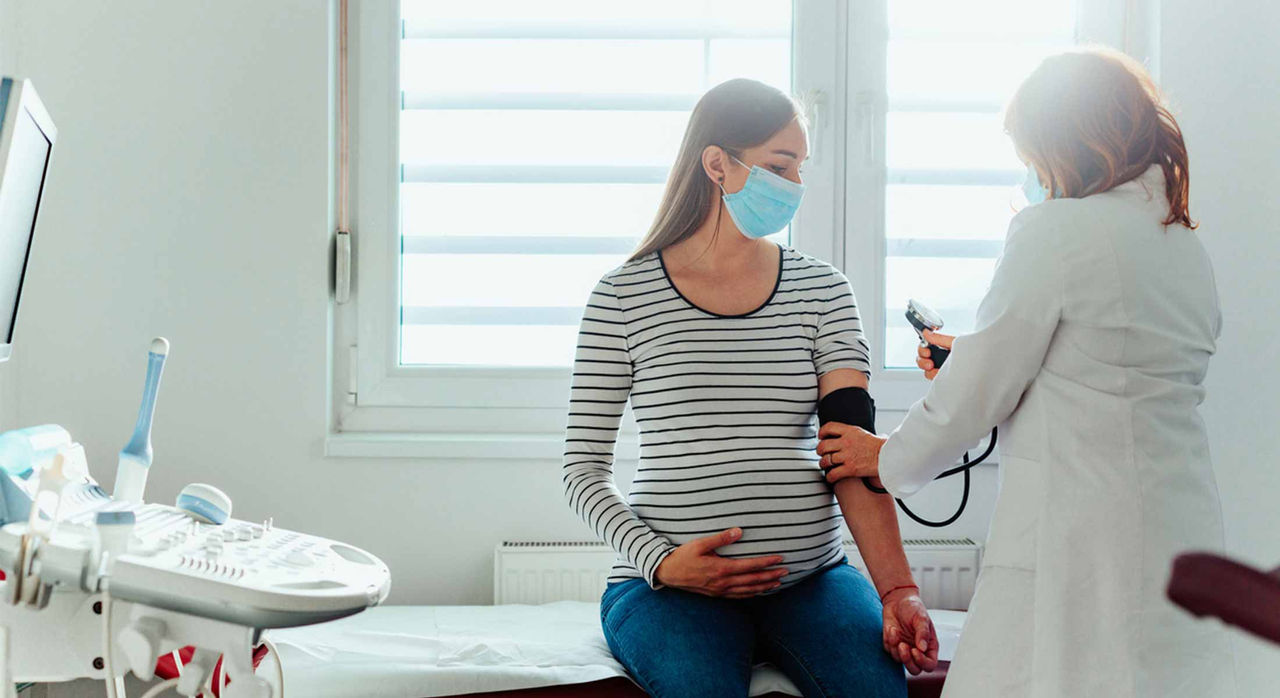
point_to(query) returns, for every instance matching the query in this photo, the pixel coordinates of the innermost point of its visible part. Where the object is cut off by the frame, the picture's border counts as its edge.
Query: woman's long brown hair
(1092, 119)
(734, 115)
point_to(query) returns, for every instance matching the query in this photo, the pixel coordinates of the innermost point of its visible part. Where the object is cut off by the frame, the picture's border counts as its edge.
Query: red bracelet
(904, 586)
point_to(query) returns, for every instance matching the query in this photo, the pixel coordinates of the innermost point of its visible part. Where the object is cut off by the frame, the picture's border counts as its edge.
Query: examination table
(554, 650)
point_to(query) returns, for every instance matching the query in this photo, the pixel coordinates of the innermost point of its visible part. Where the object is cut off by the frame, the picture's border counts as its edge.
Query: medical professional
(726, 343)
(1090, 353)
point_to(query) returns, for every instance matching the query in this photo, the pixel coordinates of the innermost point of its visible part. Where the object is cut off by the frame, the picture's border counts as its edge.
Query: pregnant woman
(728, 544)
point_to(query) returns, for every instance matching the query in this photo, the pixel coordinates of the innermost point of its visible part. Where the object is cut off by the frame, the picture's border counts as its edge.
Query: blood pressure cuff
(848, 406)
(852, 406)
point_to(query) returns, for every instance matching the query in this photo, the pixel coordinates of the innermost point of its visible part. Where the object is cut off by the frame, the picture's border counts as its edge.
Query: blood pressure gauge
(924, 318)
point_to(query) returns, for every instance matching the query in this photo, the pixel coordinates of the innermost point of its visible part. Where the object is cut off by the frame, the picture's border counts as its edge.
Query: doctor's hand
(925, 360)
(696, 567)
(909, 636)
(849, 451)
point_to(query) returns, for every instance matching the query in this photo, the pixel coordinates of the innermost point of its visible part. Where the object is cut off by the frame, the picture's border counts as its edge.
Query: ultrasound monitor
(27, 135)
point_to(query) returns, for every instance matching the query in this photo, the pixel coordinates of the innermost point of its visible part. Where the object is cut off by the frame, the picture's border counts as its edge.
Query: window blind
(535, 139)
(952, 173)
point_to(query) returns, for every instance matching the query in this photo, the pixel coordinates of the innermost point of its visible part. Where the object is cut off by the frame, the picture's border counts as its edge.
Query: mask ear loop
(720, 209)
(720, 182)
(715, 235)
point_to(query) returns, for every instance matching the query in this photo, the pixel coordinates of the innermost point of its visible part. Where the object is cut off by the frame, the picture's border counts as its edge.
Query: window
(932, 179)
(506, 154)
(951, 171)
(537, 160)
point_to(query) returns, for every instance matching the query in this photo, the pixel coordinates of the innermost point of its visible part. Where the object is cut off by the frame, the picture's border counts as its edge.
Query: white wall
(1220, 66)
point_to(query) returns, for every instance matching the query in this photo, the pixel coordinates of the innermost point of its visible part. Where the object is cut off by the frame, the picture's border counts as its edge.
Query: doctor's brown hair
(734, 115)
(1092, 119)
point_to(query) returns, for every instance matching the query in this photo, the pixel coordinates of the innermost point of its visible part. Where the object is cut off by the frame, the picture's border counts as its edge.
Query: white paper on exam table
(452, 650)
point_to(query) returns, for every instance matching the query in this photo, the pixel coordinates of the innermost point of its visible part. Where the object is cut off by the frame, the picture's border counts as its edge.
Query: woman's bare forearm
(871, 517)
(873, 521)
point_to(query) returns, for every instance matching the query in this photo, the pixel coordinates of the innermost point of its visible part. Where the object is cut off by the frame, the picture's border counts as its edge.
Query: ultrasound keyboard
(245, 573)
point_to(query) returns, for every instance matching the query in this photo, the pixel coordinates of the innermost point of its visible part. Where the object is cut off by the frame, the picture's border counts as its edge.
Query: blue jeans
(823, 633)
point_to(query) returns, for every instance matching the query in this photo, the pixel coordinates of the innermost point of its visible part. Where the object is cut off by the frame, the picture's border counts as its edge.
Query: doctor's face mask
(1093, 119)
(1032, 187)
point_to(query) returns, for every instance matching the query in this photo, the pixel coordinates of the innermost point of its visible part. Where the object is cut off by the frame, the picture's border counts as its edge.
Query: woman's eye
(778, 170)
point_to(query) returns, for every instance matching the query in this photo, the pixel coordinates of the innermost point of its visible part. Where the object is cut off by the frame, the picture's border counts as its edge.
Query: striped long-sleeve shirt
(725, 407)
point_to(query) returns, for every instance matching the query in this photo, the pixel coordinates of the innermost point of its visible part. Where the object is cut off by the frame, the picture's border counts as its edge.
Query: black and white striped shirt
(725, 407)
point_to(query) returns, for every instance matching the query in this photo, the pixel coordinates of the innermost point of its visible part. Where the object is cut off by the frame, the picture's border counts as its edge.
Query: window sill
(459, 446)
(464, 446)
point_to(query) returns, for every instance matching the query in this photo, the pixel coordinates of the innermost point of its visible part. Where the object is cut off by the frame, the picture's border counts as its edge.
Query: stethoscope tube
(922, 318)
(963, 468)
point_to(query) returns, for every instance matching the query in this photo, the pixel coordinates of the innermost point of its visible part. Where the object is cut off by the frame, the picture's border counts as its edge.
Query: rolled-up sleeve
(839, 341)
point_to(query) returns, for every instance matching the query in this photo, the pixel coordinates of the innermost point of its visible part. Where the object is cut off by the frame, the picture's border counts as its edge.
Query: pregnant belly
(785, 509)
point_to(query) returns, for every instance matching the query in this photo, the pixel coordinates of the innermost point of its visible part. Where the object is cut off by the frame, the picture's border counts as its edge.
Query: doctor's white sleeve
(601, 386)
(983, 380)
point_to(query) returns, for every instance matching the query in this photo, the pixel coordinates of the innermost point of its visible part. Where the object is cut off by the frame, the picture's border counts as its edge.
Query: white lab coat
(1090, 353)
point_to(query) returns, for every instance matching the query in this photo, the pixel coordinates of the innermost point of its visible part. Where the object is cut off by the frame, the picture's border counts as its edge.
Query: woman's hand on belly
(696, 567)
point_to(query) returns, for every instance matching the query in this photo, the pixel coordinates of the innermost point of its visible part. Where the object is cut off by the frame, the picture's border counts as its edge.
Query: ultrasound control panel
(245, 573)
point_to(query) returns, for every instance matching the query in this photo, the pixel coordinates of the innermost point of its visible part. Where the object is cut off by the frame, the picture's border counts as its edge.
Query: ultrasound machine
(97, 584)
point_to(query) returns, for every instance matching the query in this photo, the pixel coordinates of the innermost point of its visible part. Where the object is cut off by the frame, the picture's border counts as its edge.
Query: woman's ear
(714, 162)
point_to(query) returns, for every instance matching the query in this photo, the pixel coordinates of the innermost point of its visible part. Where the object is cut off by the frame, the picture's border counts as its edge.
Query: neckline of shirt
(782, 258)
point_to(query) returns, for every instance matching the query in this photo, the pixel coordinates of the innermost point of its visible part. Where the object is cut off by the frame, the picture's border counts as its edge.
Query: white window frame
(1120, 23)
(382, 409)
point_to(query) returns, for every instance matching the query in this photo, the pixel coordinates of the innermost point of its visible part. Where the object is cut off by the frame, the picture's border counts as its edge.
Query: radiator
(540, 572)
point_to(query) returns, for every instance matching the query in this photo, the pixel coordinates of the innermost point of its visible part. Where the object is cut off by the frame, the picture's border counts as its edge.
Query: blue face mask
(1032, 188)
(765, 204)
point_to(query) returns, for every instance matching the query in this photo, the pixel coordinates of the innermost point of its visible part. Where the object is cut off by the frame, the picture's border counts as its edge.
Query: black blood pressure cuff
(852, 406)
(848, 406)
